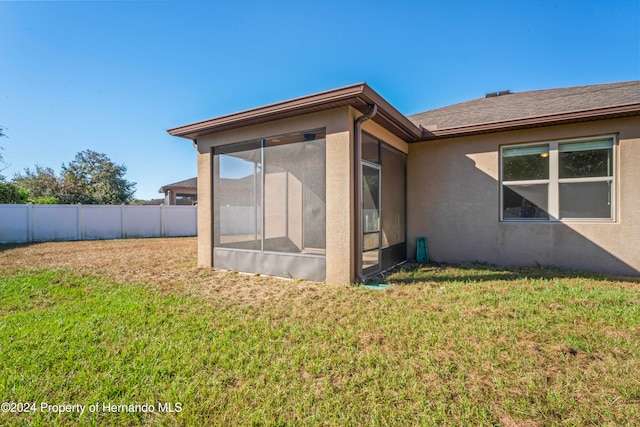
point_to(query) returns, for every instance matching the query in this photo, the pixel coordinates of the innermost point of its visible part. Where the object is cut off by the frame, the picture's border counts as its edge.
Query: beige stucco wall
(339, 183)
(381, 133)
(453, 199)
(205, 235)
(340, 225)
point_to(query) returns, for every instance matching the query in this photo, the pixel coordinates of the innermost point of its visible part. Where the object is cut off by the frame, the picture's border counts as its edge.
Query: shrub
(10, 193)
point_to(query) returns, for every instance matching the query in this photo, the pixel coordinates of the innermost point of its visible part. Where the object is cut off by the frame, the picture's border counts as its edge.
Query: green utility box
(422, 253)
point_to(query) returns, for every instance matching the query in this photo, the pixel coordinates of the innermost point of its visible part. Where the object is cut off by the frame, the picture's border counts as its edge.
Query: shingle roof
(522, 105)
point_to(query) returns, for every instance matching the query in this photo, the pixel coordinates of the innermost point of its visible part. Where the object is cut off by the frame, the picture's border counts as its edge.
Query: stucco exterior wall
(381, 133)
(340, 225)
(454, 200)
(205, 232)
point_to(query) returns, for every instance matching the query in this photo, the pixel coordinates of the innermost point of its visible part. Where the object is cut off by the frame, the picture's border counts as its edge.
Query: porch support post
(339, 208)
(205, 207)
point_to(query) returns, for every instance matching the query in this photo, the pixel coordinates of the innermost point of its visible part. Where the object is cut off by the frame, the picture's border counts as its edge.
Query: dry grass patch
(125, 260)
(168, 264)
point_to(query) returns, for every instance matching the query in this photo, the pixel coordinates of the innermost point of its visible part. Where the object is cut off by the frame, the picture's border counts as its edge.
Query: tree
(42, 186)
(11, 193)
(95, 179)
(91, 178)
(40, 182)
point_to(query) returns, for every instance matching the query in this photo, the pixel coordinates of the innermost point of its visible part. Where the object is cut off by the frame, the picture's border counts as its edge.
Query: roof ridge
(601, 87)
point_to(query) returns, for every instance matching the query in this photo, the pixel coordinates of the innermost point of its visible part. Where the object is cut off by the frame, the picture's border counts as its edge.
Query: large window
(269, 194)
(559, 180)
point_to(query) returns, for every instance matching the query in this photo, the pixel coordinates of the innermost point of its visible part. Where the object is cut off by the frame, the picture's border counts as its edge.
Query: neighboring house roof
(532, 108)
(187, 184)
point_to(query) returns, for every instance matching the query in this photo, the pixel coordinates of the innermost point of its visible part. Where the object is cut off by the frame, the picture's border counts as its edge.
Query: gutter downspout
(357, 191)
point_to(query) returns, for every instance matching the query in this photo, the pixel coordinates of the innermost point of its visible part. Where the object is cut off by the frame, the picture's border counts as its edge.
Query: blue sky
(113, 76)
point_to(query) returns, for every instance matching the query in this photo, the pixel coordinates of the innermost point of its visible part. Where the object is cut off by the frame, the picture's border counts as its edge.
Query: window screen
(294, 193)
(269, 195)
(238, 196)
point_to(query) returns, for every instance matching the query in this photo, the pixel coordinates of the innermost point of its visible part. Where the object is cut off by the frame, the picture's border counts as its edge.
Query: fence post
(79, 224)
(30, 222)
(123, 228)
(163, 229)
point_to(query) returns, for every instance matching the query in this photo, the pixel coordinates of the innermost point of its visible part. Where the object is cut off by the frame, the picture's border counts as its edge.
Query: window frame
(554, 181)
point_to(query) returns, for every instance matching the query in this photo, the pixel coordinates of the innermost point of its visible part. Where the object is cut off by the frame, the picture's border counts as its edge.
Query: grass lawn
(135, 323)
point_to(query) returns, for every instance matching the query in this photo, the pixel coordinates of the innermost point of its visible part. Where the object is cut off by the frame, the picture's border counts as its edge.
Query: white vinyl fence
(42, 223)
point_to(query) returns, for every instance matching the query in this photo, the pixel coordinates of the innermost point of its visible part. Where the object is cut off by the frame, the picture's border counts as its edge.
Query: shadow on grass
(9, 246)
(478, 272)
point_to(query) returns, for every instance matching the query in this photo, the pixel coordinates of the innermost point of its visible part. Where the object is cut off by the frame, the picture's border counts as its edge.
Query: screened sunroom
(311, 188)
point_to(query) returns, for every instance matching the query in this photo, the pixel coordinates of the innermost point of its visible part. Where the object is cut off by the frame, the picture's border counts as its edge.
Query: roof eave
(599, 113)
(164, 189)
(358, 96)
(390, 118)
